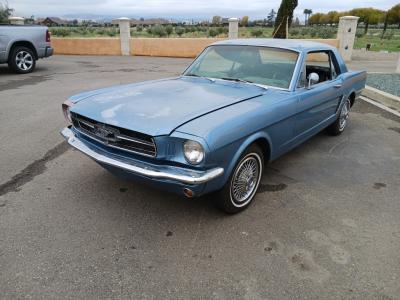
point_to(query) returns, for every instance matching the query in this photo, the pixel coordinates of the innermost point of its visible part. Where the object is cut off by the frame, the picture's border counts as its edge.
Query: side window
(335, 66)
(319, 62)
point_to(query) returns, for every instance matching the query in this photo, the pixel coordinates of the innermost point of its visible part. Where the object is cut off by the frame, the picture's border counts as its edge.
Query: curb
(390, 101)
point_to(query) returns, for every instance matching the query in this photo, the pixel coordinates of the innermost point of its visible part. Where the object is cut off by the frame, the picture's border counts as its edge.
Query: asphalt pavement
(325, 224)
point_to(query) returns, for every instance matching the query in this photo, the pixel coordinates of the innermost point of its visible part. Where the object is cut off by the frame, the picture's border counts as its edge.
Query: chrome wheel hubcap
(24, 60)
(344, 115)
(246, 179)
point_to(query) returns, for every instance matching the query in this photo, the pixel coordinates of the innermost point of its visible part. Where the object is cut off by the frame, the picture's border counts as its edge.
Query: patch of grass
(389, 42)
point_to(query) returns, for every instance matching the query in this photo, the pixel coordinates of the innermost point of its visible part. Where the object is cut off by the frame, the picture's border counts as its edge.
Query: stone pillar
(346, 36)
(125, 34)
(398, 65)
(233, 28)
(16, 20)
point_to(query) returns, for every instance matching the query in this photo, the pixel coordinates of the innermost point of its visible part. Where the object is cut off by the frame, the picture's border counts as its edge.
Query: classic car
(238, 106)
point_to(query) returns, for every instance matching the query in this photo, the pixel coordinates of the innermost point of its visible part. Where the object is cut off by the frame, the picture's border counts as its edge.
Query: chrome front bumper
(182, 175)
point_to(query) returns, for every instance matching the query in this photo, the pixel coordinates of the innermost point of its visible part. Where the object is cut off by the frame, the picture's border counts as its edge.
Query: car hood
(158, 107)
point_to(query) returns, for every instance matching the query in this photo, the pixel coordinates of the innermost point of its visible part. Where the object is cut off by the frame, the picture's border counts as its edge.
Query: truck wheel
(340, 124)
(22, 60)
(242, 185)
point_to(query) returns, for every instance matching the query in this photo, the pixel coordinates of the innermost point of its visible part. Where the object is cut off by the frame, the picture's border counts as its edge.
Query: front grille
(115, 137)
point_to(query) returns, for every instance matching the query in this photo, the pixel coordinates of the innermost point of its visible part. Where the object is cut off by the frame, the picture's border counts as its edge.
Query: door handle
(338, 86)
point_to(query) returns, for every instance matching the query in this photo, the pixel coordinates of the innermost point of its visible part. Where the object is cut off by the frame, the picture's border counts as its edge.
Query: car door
(318, 103)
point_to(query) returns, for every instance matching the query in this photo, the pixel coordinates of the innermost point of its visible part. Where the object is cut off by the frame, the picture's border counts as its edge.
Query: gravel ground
(389, 83)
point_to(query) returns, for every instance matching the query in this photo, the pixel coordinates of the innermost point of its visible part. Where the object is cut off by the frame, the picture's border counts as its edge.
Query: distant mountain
(109, 18)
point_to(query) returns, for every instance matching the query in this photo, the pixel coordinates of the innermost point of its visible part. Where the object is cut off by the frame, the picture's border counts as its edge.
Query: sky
(181, 9)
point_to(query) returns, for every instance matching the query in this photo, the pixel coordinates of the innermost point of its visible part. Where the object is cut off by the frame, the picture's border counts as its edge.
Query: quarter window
(321, 62)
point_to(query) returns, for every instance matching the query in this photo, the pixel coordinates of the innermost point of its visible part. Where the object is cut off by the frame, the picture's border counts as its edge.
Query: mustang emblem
(107, 134)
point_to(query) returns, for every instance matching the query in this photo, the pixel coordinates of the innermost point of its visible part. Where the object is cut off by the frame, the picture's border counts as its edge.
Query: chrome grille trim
(111, 136)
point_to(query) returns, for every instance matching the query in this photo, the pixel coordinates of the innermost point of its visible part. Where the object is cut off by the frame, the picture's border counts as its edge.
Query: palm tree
(307, 13)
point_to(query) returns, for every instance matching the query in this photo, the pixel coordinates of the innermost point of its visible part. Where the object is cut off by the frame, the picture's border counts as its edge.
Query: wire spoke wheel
(344, 115)
(245, 180)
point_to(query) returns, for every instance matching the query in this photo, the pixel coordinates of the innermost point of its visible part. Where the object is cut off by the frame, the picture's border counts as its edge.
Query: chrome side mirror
(313, 78)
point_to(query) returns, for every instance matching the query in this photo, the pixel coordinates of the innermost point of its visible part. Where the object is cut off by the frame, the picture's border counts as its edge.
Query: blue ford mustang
(239, 105)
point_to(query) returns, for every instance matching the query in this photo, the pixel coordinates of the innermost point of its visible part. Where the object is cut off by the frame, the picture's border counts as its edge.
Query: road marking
(385, 108)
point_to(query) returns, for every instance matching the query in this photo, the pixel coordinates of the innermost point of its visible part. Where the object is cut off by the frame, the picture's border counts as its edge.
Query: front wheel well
(265, 147)
(352, 98)
(23, 44)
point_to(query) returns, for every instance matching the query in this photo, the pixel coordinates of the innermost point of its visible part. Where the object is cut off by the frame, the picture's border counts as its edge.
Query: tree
(257, 33)
(333, 17)
(368, 16)
(212, 32)
(5, 12)
(244, 21)
(307, 13)
(179, 31)
(169, 29)
(393, 15)
(271, 18)
(315, 19)
(284, 18)
(216, 20)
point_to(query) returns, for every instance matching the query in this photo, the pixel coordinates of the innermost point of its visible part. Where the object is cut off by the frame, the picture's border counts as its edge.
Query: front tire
(239, 191)
(22, 60)
(340, 124)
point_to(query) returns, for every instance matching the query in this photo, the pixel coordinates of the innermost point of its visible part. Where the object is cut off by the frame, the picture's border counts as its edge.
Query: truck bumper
(45, 52)
(171, 177)
(48, 51)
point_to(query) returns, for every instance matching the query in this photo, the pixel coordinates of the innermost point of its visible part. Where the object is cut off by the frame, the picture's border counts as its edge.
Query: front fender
(230, 155)
(246, 143)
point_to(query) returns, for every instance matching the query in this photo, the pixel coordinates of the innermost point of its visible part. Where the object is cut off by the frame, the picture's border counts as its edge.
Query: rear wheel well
(352, 98)
(23, 44)
(265, 147)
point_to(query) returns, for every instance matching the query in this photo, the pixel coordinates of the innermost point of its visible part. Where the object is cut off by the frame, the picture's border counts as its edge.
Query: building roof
(56, 20)
(291, 44)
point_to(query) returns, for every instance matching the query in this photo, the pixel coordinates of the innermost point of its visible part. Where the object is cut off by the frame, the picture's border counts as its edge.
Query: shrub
(60, 32)
(360, 33)
(159, 31)
(388, 35)
(111, 32)
(256, 32)
(294, 32)
(212, 32)
(179, 30)
(169, 29)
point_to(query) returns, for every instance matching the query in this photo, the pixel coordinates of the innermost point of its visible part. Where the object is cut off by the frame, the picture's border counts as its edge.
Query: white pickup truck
(22, 45)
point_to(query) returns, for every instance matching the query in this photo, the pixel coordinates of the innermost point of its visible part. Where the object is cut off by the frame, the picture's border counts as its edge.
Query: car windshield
(261, 65)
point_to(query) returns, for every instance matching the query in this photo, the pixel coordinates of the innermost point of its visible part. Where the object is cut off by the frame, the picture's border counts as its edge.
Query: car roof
(291, 44)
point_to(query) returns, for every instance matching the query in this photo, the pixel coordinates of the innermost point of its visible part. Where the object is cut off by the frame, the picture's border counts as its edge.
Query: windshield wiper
(244, 81)
(195, 75)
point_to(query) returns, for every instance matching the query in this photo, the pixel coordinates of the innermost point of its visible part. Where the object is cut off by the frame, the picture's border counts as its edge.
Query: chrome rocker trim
(173, 173)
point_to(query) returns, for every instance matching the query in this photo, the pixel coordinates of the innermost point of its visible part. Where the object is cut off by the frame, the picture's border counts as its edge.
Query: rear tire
(22, 60)
(240, 189)
(340, 124)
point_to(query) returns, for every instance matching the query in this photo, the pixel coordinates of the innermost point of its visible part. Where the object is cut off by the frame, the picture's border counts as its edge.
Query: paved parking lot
(325, 224)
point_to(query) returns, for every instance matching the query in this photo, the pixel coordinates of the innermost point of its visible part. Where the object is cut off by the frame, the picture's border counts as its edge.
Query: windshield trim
(290, 88)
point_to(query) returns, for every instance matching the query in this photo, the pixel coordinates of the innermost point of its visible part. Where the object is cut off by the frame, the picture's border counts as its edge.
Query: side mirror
(313, 78)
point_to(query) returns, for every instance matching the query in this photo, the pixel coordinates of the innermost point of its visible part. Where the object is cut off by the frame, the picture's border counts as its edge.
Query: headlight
(66, 107)
(194, 152)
